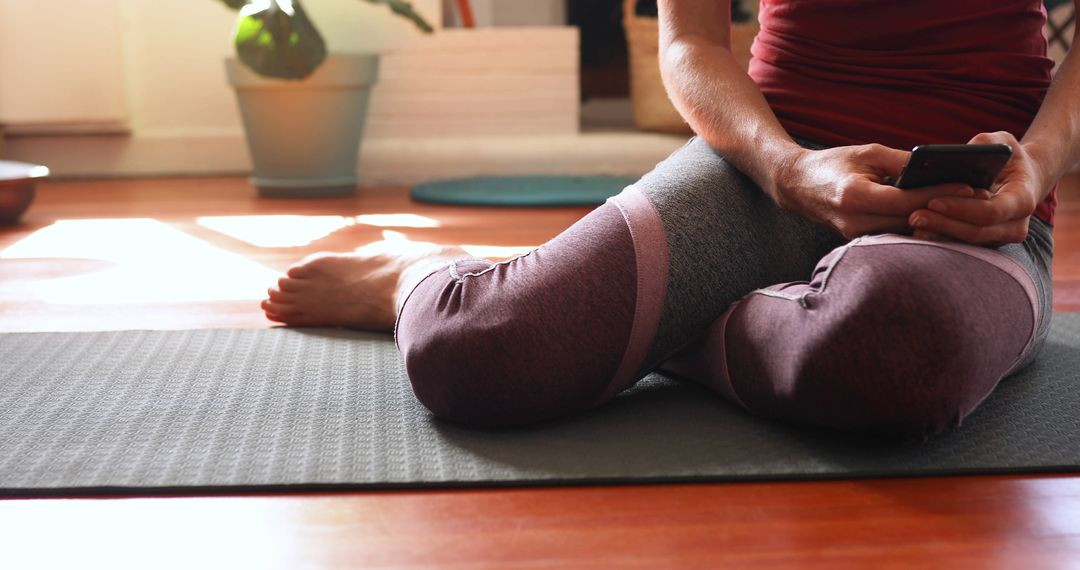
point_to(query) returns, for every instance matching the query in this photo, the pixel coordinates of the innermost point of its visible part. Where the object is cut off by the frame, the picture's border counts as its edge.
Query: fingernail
(938, 206)
(919, 221)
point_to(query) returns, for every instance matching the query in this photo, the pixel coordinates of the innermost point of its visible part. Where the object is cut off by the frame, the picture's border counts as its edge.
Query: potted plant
(303, 110)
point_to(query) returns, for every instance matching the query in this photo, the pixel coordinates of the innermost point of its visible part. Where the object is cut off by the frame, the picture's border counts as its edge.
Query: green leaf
(275, 38)
(403, 8)
(235, 4)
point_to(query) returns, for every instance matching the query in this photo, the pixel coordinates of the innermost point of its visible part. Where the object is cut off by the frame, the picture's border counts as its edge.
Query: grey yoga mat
(143, 412)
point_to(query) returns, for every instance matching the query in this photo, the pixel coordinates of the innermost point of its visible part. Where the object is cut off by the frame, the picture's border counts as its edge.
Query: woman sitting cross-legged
(769, 258)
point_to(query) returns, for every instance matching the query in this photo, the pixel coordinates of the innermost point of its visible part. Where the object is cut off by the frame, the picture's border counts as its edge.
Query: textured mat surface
(275, 408)
(523, 190)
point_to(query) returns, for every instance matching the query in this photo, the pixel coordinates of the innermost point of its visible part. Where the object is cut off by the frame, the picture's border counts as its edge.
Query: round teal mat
(522, 190)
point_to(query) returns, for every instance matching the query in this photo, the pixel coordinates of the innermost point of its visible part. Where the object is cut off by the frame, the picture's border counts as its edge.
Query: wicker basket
(652, 109)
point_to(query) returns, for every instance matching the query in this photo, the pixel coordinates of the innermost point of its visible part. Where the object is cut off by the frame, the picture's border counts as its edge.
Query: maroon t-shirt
(903, 73)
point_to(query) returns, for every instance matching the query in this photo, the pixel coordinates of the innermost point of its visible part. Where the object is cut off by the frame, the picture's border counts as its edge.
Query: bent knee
(483, 357)
(907, 344)
(488, 378)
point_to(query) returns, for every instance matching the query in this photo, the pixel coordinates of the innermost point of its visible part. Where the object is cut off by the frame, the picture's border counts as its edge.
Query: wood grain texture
(955, 522)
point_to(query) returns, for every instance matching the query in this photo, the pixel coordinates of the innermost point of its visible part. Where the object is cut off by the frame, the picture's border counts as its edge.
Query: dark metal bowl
(17, 180)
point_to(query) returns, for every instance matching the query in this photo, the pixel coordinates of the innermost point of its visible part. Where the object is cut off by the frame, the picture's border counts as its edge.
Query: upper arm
(709, 20)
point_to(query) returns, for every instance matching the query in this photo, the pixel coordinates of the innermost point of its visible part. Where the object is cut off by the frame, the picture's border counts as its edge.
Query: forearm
(1053, 139)
(720, 102)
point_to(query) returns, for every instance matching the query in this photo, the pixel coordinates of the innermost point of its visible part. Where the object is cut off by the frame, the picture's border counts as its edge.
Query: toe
(276, 295)
(290, 285)
(279, 310)
(292, 319)
(276, 318)
(298, 271)
(308, 266)
(291, 315)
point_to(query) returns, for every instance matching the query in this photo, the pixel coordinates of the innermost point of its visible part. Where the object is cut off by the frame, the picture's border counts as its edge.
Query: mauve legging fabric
(695, 270)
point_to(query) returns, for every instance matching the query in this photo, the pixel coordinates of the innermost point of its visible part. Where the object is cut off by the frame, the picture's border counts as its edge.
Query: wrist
(1044, 168)
(783, 172)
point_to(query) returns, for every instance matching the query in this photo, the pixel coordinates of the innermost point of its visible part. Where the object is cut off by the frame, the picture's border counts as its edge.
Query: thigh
(891, 334)
(725, 237)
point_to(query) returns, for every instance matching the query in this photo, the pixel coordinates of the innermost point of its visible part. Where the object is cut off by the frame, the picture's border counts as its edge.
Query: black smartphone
(976, 165)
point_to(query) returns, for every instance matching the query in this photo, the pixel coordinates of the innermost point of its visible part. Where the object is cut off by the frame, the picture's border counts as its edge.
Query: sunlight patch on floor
(282, 231)
(250, 534)
(153, 263)
(397, 221)
(397, 242)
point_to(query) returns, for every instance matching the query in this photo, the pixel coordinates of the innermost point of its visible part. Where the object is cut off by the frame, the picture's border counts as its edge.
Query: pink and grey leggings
(695, 271)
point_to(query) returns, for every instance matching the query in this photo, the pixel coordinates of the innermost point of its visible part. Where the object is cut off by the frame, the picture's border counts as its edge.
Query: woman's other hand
(846, 189)
(999, 215)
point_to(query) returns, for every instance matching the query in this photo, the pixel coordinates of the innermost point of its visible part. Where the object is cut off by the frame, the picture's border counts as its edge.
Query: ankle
(413, 274)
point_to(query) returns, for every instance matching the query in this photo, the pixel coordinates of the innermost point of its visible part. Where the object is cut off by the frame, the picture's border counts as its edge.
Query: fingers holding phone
(976, 165)
(844, 188)
(1008, 193)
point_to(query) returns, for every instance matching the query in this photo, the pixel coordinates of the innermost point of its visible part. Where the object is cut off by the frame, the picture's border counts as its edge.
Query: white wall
(155, 65)
(61, 61)
(175, 77)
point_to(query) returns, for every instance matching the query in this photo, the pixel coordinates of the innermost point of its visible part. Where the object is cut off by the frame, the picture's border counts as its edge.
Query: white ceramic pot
(304, 136)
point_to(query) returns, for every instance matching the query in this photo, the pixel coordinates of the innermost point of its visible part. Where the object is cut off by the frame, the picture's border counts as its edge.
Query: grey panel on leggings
(703, 201)
(145, 411)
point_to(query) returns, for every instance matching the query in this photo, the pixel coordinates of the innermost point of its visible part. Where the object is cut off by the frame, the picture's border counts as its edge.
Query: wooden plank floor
(198, 253)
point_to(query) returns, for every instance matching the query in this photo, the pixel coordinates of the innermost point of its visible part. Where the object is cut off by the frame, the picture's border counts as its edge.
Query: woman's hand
(845, 189)
(999, 214)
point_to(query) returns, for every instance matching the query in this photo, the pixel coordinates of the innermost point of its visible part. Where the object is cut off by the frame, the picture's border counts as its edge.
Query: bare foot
(355, 290)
